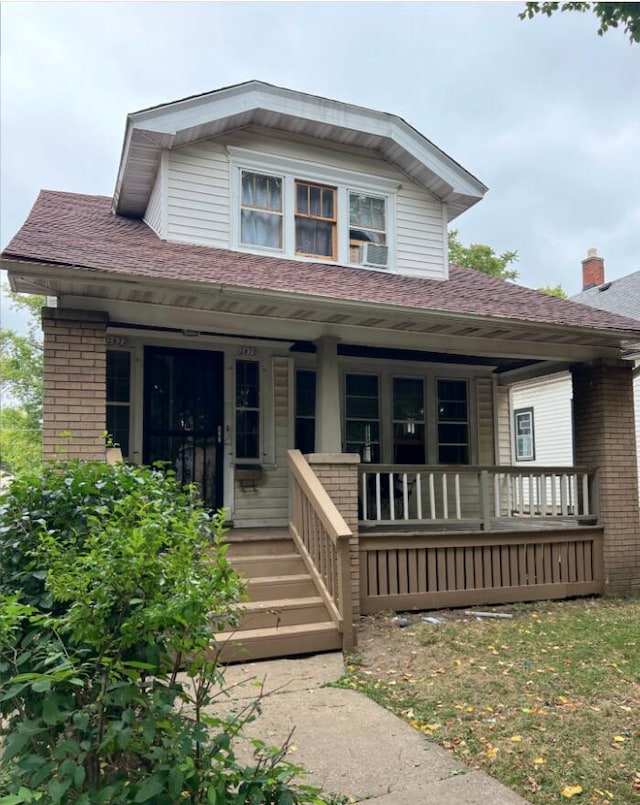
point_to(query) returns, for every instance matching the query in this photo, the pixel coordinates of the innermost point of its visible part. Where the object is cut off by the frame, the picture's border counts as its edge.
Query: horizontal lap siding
(419, 239)
(198, 195)
(552, 419)
(268, 504)
(153, 213)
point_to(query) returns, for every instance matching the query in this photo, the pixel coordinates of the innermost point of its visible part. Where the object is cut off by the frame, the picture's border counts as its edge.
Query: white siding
(199, 196)
(268, 504)
(153, 215)
(550, 399)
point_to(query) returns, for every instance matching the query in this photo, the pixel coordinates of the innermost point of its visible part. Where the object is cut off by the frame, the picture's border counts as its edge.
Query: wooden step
(286, 641)
(283, 612)
(268, 588)
(239, 548)
(284, 564)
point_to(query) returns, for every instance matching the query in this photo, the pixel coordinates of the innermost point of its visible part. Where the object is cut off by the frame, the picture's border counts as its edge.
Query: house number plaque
(247, 351)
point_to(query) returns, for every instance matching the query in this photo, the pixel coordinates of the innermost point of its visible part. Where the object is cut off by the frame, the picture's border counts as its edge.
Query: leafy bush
(113, 581)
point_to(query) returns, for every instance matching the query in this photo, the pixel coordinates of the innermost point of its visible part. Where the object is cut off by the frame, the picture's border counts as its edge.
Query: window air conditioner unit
(374, 255)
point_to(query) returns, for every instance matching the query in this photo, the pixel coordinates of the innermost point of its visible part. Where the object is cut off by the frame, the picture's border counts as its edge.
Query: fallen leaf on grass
(516, 739)
(538, 761)
(619, 739)
(571, 790)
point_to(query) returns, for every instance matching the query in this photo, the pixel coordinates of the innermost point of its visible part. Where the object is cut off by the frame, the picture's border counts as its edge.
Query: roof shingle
(81, 232)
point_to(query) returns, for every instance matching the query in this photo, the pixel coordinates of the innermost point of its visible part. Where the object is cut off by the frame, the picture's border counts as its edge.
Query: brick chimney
(592, 270)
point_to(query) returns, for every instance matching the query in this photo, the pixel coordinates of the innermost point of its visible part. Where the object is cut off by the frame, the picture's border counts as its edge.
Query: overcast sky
(545, 112)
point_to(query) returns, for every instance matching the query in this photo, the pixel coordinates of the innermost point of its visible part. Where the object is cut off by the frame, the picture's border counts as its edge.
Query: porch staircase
(285, 614)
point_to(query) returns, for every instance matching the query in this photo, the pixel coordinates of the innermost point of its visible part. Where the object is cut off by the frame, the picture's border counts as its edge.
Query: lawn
(548, 701)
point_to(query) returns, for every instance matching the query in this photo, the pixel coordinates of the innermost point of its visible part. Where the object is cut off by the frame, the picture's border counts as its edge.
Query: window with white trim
(118, 377)
(248, 410)
(310, 211)
(261, 210)
(453, 422)
(523, 434)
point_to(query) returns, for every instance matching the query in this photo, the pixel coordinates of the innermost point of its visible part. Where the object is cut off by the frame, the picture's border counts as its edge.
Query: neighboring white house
(541, 409)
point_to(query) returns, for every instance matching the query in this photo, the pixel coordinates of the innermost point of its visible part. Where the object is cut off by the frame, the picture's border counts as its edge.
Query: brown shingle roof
(81, 232)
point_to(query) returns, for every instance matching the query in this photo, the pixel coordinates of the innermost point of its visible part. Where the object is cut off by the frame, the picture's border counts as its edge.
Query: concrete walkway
(350, 745)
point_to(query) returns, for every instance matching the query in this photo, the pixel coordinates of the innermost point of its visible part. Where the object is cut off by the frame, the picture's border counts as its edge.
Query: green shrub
(113, 582)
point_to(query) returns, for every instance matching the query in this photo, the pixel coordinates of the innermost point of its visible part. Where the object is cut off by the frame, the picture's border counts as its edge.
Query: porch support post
(604, 438)
(74, 393)
(328, 427)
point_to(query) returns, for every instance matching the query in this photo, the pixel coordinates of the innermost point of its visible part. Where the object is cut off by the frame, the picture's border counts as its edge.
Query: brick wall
(338, 474)
(74, 405)
(604, 431)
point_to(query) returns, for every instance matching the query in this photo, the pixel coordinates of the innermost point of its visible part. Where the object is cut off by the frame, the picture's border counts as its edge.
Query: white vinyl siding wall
(550, 399)
(199, 211)
(153, 215)
(268, 503)
(198, 195)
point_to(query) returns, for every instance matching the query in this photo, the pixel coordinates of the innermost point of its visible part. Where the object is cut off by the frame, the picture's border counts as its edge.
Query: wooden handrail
(471, 468)
(317, 495)
(329, 560)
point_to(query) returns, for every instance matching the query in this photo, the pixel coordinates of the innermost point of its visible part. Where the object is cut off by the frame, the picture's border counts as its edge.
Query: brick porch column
(338, 474)
(604, 438)
(74, 395)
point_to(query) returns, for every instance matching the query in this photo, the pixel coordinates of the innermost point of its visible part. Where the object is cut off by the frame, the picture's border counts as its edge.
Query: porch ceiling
(297, 317)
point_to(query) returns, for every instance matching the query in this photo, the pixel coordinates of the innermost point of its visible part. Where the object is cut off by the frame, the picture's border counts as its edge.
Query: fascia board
(227, 104)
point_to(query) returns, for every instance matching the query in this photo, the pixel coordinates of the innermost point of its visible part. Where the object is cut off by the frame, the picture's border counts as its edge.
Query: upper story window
(261, 210)
(311, 211)
(315, 220)
(367, 225)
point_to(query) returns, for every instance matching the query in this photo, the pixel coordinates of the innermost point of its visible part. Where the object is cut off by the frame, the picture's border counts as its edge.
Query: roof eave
(148, 132)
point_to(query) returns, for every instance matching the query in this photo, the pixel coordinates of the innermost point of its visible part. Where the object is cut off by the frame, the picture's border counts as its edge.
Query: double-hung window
(311, 211)
(453, 422)
(524, 438)
(315, 220)
(248, 410)
(261, 210)
(367, 225)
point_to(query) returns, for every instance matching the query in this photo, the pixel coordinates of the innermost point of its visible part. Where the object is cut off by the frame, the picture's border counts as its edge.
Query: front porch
(337, 564)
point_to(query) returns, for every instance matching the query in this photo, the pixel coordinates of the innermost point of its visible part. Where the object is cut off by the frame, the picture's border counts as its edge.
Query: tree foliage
(610, 15)
(482, 258)
(113, 583)
(554, 290)
(21, 374)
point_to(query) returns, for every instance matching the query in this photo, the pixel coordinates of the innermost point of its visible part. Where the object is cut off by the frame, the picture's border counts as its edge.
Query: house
(542, 418)
(266, 303)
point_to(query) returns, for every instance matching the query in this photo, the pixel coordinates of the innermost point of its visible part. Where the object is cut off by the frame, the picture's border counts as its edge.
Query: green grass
(546, 702)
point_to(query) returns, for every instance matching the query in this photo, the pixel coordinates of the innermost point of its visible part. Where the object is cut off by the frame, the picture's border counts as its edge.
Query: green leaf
(212, 795)
(15, 743)
(50, 712)
(149, 788)
(57, 789)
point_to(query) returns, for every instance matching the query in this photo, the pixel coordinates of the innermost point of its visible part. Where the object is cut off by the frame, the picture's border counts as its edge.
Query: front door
(183, 416)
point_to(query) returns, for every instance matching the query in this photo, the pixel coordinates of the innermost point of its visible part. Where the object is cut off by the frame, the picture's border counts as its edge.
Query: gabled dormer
(266, 170)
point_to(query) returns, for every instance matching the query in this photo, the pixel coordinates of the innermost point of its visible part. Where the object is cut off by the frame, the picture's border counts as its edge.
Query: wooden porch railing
(322, 537)
(483, 497)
